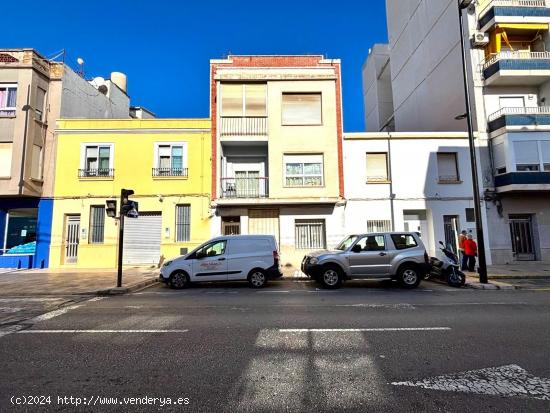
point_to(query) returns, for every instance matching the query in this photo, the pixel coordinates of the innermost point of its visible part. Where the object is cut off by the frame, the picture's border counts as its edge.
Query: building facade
(409, 182)
(509, 77)
(277, 150)
(34, 93)
(167, 163)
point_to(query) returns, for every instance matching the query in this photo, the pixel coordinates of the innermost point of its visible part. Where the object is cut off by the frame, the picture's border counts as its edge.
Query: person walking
(463, 236)
(470, 253)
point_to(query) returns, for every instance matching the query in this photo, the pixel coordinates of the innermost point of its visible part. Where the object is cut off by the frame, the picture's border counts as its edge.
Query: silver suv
(392, 255)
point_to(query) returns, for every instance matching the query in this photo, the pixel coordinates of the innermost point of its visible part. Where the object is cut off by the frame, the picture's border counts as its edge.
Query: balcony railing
(518, 60)
(486, 5)
(517, 55)
(243, 126)
(244, 187)
(96, 173)
(519, 116)
(183, 172)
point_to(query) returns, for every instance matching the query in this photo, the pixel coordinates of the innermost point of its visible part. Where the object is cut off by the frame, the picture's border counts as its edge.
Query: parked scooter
(448, 269)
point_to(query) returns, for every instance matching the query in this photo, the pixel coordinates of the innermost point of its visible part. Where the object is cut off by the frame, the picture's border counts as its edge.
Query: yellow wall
(134, 143)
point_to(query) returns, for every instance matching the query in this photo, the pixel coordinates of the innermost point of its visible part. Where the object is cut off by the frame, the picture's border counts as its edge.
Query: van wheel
(179, 280)
(331, 277)
(408, 276)
(257, 278)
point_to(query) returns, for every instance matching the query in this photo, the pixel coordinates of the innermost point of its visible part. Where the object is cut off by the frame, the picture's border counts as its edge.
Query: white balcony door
(247, 184)
(512, 102)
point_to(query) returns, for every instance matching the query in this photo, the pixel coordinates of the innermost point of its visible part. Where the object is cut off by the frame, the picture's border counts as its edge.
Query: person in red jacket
(470, 252)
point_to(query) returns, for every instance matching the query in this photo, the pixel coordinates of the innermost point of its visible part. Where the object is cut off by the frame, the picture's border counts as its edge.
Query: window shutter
(499, 155)
(183, 223)
(446, 166)
(545, 149)
(36, 166)
(5, 159)
(301, 109)
(97, 224)
(232, 99)
(255, 98)
(527, 152)
(377, 166)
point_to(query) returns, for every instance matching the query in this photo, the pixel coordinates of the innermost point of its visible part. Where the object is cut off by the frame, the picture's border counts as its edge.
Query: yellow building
(167, 162)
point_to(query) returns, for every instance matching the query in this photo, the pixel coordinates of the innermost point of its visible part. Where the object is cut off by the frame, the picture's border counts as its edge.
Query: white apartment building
(509, 77)
(409, 182)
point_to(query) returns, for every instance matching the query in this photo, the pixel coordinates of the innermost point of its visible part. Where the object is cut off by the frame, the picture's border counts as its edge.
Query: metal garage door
(264, 222)
(142, 238)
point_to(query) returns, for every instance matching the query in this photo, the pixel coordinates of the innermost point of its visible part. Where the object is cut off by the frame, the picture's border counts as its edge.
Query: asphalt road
(290, 347)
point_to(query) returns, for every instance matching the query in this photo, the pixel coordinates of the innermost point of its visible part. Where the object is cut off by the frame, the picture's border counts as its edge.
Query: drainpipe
(392, 195)
(26, 109)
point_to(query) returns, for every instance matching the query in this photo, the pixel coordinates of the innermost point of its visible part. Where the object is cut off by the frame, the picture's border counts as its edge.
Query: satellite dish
(80, 61)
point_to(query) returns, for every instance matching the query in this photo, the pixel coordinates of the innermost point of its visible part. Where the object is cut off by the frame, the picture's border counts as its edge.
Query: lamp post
(462, 5)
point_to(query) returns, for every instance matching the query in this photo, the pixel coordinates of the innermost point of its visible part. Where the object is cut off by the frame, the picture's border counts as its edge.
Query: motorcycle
(448, 269)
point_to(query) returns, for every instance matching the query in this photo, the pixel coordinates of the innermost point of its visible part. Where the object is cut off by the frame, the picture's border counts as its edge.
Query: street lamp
(463, 4)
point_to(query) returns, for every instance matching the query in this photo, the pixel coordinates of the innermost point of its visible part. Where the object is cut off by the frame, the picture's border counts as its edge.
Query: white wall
(377, 88)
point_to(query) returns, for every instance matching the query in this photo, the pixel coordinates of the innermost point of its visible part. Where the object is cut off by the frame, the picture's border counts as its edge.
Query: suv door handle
(221, 259)
(382, 254)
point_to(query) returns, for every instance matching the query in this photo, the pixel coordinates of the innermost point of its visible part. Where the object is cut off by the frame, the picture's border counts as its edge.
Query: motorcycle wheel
(456, 279)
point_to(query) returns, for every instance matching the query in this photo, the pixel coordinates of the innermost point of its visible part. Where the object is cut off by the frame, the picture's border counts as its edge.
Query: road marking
(52, 314)
(388, 306)
(28, 299)
(10, 330)
(8, 310)
(360, 330)
(508, 381)
(273, 292)
(99, 331)
(96, 299)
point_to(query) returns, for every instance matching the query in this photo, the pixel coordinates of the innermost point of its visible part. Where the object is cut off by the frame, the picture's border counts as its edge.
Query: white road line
(28, 299)
(99, 331)
(53, 314)
(96, 299)
(272, 292)
(345, 330)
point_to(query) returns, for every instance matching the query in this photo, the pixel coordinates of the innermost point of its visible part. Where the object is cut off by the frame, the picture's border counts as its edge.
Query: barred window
(378, 225)
(310, 234)
(97, 224)
(183, 223)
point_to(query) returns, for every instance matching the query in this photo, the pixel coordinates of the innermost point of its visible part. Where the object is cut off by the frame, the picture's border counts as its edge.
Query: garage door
(264, 222)
(142, 238)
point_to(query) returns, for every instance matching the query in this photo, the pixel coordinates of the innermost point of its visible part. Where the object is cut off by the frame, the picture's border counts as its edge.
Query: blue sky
(164, 46)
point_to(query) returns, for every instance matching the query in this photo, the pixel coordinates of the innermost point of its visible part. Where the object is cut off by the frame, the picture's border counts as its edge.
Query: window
(8, 99)
(39, 106)
(512, 102)
(36, 166)
(97, 160)
(244, 100)
(97, 224)
(470, 215)
(372, 243)
(447, 167)
(377, 167)
(303, 170)
(301, 109)
(378, 225)
(403, 241)
(183, 223)
(310, 234)
(499, 158)
(527, 156)
(171, 159)
(5, 159)
(213, 249)
(545, 151)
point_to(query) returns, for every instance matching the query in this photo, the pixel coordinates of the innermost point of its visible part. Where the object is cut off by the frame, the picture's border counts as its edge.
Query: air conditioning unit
(480, 39)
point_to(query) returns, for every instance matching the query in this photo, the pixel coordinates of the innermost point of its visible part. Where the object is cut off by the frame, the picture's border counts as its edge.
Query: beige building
(34, 93)
(277, 150)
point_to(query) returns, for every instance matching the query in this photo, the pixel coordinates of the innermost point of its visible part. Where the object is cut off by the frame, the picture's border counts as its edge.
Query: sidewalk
(74, 281)
(525, 270)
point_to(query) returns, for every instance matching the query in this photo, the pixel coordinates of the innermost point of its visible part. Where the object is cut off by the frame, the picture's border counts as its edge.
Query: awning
(523, 26)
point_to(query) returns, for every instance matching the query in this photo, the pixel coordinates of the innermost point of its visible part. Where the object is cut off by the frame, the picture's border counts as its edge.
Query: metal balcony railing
(96, 173)
(243, 126)
(485, 5)
(517, 55)
(536, 110)
(183, 172)
(244, 187)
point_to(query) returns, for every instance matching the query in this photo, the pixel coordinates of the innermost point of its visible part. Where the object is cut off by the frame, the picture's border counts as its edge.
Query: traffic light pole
(120, 242)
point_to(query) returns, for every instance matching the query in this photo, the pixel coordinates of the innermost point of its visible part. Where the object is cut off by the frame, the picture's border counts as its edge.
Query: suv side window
(403, 241)
(372, 243)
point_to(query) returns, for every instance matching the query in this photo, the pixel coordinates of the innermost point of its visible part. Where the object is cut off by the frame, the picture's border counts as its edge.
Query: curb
(489, 286)
(519, 277)
(130, 289)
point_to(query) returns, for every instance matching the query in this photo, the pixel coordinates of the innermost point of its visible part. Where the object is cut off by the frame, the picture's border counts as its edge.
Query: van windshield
(346, 242)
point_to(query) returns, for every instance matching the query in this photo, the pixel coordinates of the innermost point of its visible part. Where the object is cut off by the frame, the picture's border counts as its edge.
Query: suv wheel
(331, 277)
(257, 278)
(408, 276)
(179, 280)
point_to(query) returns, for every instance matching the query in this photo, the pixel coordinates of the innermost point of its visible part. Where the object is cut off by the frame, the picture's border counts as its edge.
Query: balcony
(505, 10)
(523, 181)
(241, 188)
(519, 67)
(519, 116)
(170, 172)
(96, 173)
(235, 127)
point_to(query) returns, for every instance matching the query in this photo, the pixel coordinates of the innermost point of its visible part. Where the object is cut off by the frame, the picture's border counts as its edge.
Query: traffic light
(111, 208)
(127, 207)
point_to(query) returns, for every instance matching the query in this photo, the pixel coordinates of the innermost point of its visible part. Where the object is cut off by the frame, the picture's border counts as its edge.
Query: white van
(254, 258)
